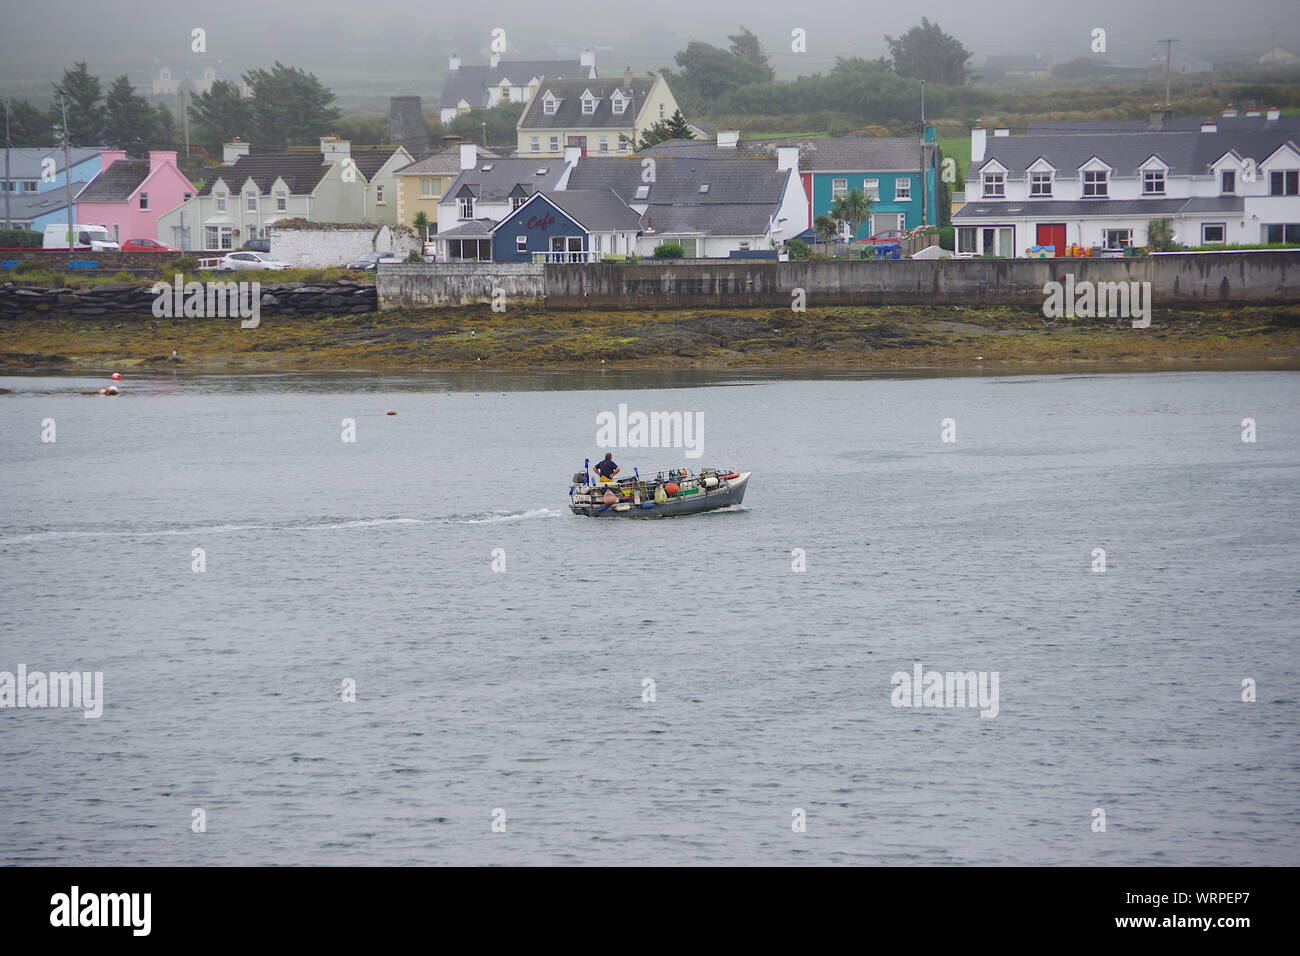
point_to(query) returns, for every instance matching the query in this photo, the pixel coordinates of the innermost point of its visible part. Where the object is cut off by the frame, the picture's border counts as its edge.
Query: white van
(94, 238)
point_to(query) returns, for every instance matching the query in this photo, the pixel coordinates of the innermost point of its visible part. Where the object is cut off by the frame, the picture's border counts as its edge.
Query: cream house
(421, 185)
(597, 116)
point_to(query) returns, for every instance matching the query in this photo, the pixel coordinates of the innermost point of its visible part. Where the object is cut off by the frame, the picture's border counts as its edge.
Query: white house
(1059, 190)
(503, 81)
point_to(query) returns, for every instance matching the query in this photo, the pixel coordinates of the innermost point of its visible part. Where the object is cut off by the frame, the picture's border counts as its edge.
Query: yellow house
(599, 116)
(421, 184)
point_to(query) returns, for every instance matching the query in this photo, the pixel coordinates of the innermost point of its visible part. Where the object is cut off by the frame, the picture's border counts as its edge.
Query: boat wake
(494, 517)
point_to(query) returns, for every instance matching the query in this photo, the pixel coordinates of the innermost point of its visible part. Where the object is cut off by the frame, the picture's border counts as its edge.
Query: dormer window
(1040, 185)
(619, 102)
(588, 104)
(995, 185)
(1228, 181)
(1096, 184)
(1153, 182)
(550, 103)
(466, 207)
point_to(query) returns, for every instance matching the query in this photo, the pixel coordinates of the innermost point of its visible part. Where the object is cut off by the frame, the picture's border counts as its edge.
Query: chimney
(159, 158)
(493, 60)
(1209, 126)
(787, 157)
(627, 76)
(587, 60)
(978, 141)
(572, 154)
(335, 148)
(728, 138)
(453, 63)
(1001, 131)
(107, 157)
(1274, 114)
(230, 152)
(1157, 118)
(450, 139)
(468, 155)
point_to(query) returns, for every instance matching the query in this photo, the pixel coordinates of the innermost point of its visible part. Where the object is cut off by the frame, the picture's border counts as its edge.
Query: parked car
(371, 260)
(235, 261)
(146, 245)
(258, 245)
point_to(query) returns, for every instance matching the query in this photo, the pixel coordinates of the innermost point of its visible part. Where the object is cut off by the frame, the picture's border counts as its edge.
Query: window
(117, 234)
(995, 184)
(619, 104)
(872, 188)
(642, 192)
(379, 194)
(744, 246)
(281, 200)
(1212, 232)
(1153, 182)
(1228, 181)
(839, 187)
(29, 185)
(588, 106)
(604, 144)
(144, 201)
(1118, 238)
(1284, 183)
(902, 221)
(1040, 184)
(505, 94)
(902, 190)
(521, 244)
(1094, 184)
(535, 144)
(427, 188)
(555, 144)
(1282, 232)
(549, 104)
(250, 202)
(466, 206)
(661, 111)
(221, 206)
(217, 237)
(188, 197)
(517, 201)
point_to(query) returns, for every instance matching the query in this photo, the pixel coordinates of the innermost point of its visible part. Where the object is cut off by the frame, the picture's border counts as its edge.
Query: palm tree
(421, 223)
(853, 208)
(826, 227)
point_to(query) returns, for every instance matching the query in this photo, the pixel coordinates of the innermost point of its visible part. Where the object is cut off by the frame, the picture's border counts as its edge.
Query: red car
(888, 235)
(146, 245)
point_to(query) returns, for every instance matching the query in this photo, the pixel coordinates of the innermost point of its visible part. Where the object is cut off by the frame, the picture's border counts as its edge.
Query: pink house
(129, 195)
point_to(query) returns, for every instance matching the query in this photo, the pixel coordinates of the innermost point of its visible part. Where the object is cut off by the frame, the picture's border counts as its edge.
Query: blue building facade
(903, 194)
(537, 226)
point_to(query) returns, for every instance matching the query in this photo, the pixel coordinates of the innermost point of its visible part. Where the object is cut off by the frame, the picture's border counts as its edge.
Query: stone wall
(280, 298)
(57, 259)
(447, 284)
(324, 248)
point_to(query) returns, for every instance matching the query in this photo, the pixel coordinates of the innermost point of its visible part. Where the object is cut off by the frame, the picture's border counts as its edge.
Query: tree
(927, 53)
(672, 128)
(290, 106)
(130, 122)
(746, 46)
(853, 208)
(83, 94)
(28, 125)
(220, 115)
(500, 130)
(421, 223)
(826, 227)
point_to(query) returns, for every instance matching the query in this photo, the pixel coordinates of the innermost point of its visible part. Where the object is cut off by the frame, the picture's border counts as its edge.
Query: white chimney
(1209, 126)
(728, 138)
(1001, 131)
(572, 154)
(587, 60)
(787, 157)
(335, 148)
(454, 62)
(230, 152)
(494, 60)
(978, 142)
(468, 155)
(1274, 113)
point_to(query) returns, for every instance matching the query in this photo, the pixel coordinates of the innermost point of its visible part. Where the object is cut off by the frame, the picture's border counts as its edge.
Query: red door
(1052, 234)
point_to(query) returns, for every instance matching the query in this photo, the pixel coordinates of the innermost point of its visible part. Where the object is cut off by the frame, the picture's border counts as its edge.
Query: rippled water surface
(372, 561)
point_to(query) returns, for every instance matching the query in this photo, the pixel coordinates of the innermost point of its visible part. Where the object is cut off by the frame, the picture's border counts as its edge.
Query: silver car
(236, 261)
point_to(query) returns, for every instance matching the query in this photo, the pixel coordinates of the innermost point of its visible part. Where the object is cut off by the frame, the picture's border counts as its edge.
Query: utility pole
(185, 122)
(67, 162)
(8, 183)
(924, 211)
(1169, 52)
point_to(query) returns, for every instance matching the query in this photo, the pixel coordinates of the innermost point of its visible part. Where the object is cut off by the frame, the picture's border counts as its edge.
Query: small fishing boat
(667, 494)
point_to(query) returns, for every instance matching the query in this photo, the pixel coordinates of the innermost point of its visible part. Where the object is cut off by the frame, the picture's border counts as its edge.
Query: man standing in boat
(606, 468)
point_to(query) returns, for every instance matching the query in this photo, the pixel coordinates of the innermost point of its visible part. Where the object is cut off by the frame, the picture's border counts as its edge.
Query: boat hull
(729, 494)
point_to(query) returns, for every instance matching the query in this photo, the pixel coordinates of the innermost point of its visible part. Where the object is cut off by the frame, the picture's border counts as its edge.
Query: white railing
(566, 257)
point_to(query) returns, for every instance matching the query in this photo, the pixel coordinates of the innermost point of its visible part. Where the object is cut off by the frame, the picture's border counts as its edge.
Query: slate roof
(497, 183)
(1186, 154)
(25, 162)
(471, 83)
(443, 162)
(27, 206)
(469, 229)
(848, 154)
(569, 115)
(1082, 208)
(301, 169)
(1178, 124)
(743, 193)
(117, 182)
(595, 209)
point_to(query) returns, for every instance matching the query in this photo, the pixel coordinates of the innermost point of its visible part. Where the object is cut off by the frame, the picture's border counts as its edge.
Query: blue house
(36, 171)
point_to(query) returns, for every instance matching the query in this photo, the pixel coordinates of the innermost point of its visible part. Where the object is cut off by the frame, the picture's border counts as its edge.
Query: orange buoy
(671, 488)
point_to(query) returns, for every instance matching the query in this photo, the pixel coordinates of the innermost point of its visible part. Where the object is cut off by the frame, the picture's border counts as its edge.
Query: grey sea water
(521, 690)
